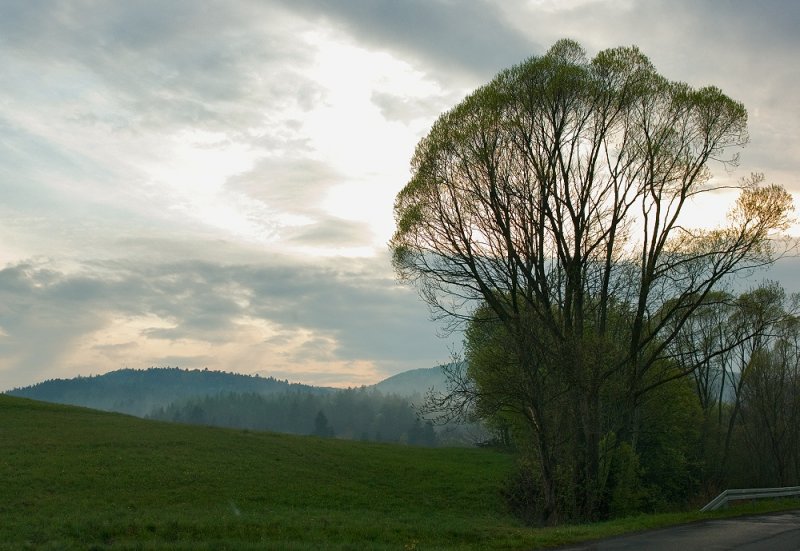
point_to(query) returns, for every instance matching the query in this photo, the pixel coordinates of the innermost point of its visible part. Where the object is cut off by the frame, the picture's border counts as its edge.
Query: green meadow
(73, 478)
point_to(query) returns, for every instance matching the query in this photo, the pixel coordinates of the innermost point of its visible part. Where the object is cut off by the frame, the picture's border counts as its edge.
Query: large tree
(553, 197)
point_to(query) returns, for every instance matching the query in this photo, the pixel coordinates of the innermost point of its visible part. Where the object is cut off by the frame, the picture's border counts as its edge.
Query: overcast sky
(210, 184)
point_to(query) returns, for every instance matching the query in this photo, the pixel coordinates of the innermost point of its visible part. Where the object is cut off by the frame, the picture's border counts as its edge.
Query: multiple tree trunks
(549, 203)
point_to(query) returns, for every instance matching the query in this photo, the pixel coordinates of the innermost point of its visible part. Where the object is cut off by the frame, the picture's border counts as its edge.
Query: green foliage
(522, 491)
(548, 203)
(770, 413)
(667, 446)
(657, 468)
(625, 482)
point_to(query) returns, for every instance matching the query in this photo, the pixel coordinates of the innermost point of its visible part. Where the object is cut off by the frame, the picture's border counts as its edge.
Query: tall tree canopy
(551, 199)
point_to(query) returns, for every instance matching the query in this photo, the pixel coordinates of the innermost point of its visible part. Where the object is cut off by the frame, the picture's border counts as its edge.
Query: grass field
(78, 478)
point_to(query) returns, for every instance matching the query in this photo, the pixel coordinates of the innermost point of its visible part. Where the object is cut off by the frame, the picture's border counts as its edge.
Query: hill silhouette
(139, 392)
(382, 412)
(414, 382)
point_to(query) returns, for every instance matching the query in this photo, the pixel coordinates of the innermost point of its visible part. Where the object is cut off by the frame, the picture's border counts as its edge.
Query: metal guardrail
(754, 493)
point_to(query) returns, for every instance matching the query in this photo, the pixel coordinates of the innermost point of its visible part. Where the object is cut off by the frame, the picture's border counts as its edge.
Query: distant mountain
(139, 392)
(384, 412)
(414, 382)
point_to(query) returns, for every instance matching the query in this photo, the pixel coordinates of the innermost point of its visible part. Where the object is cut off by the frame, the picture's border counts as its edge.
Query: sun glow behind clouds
(189, 180)
(708, 211)
(353, 134)
(366, 142)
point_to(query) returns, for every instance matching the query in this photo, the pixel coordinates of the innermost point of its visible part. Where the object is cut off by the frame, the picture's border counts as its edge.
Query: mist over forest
(384, 412)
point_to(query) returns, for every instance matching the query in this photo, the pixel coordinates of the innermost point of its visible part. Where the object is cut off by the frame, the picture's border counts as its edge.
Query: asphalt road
(773, 532)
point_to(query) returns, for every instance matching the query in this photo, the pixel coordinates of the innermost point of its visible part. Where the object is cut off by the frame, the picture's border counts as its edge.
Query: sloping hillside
(414, 382)
(80, 478)
(139, 392)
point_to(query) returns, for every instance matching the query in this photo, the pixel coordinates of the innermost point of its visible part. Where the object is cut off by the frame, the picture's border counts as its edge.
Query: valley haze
(384, 412)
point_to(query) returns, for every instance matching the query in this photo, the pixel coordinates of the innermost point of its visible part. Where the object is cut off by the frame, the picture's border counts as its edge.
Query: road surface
(772, 532)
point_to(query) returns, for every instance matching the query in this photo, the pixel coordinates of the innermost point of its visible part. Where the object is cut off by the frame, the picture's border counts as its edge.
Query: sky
(209, 184)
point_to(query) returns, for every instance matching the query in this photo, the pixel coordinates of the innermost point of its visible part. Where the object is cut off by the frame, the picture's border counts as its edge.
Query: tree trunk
(551, 514)
(589, 483)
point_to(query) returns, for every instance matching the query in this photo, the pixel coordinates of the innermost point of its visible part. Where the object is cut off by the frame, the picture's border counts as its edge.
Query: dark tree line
(749, 392)
(732, 422)
(355, 414)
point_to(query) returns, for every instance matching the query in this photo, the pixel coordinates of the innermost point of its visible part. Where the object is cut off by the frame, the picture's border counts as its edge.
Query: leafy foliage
(549, 203)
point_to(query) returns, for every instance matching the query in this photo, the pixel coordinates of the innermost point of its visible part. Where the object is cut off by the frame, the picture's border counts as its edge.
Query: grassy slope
(72, 477)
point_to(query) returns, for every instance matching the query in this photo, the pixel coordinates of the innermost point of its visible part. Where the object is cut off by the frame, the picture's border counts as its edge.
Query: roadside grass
(73, 478)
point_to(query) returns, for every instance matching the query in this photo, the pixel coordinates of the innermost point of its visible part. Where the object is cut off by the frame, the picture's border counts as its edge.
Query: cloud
(148, 59)
(400, 108)
(295, 188)
(472, 38)
(41, 325)
(331, 231)
(126, 118)
(157, 157)
(245, 316)
(294, 183)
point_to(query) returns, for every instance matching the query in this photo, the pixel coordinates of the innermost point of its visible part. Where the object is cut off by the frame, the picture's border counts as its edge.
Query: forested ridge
(384, 412)
(138, 392)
